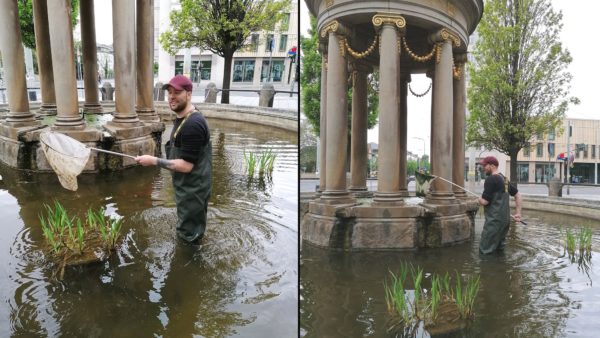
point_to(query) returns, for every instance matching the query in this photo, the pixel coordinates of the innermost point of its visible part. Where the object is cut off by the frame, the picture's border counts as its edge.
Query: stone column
(145, 52)
(123, 13)
(358, 148)
(404, 80)
(458, 140)
(323, 121)
(90, 62)
(14, 66)
(441, 119)
(44, 57)
(337, 117)
(63, 64)
(388, 183)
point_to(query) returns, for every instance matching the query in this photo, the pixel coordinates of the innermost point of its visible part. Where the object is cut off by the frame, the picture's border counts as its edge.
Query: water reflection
(242, 279)
(527, 290)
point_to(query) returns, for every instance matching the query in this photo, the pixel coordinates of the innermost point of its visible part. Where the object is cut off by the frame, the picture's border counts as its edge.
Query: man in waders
(189, 158)
(496, 191)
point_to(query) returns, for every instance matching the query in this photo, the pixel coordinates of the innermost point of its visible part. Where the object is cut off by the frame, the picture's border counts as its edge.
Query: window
(178, 67)
(527, 150)
(585, 151)
(285, 22)
(254, 43)
(551, 135)
(540, 136)
(283, 43)
(276, 71)
(270, 44)
(593, 151)
(539, 150)
(550, 149)
(205, 68)
(243, 71)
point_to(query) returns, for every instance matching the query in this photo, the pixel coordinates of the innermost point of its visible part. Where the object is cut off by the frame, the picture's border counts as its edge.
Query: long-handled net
(67, 156)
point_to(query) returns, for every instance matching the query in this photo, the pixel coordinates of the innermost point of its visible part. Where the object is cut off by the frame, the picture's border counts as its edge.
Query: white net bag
(66, 156)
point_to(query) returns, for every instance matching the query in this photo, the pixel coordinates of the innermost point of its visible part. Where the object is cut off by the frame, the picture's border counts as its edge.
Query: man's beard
(179, 107)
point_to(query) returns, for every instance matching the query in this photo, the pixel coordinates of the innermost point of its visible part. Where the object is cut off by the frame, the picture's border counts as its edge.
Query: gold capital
(330, 27)
(448, 35)
(389, 19)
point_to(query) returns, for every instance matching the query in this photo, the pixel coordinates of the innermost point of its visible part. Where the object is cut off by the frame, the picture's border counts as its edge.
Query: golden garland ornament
(416, 57)
(360, 55)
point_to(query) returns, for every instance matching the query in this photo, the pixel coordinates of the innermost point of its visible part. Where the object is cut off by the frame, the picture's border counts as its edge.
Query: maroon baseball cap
(179, 82)
(489, 160)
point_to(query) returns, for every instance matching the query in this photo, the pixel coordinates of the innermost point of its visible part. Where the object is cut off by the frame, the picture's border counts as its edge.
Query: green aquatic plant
(570, 241)
(76, 240)
(585, 239)
(396, 299)
(250, 161)
(453, 296)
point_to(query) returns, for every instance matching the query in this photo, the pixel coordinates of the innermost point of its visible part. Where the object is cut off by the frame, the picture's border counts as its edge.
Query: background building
(250, 65)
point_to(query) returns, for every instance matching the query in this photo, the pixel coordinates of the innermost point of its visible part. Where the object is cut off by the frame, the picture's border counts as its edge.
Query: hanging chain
(419, 95)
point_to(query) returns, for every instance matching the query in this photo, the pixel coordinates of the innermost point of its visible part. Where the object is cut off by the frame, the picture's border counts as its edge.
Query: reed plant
(585, 239)
(425, 305)
(250, 160)
(266, 162)
(570, 241)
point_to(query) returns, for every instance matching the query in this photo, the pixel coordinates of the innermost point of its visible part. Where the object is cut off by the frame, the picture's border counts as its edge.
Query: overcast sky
(577, 36)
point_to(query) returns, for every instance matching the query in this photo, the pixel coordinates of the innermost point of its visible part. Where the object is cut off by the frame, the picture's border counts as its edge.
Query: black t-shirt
(494, 184)
(192, 136)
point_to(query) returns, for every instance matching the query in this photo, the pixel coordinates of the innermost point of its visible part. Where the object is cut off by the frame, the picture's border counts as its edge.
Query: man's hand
(146, 160)
(516, 217)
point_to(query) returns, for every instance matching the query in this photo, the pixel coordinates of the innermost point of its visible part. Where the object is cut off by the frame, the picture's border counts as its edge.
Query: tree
(26, 20)
(308, 147)
(221, 26)
(519, 82)
(311, 83)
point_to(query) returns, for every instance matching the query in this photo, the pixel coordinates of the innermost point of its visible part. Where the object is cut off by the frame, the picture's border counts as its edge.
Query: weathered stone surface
(394, 233)
(374, 227)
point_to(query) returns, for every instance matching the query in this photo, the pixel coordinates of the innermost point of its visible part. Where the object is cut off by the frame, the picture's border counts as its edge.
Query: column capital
(443, 35)
(381, 19)
(333, 26)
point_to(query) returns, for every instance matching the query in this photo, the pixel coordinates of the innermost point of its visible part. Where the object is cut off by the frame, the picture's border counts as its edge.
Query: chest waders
(192, 190)
(497, 221)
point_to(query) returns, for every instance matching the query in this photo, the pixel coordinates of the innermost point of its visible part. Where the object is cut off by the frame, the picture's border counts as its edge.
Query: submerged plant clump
(72, 242)
(265, 163)
(580, 242)
(445, 307)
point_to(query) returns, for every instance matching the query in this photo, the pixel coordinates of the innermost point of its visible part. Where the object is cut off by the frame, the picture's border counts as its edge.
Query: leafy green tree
(311, 84)
(221, 26)
(26, 20)
(519, 82)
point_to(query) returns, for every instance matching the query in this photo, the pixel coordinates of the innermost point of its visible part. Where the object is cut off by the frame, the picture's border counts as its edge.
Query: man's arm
(178, 165)
(483, 201)
(518, 200)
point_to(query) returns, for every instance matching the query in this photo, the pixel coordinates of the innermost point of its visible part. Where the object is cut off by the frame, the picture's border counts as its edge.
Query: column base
(92, 108)
(147, 115)
(440, 198)
(336, 197)
(69, 123)
(48, 109)
(388, 198)
(20, 119)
